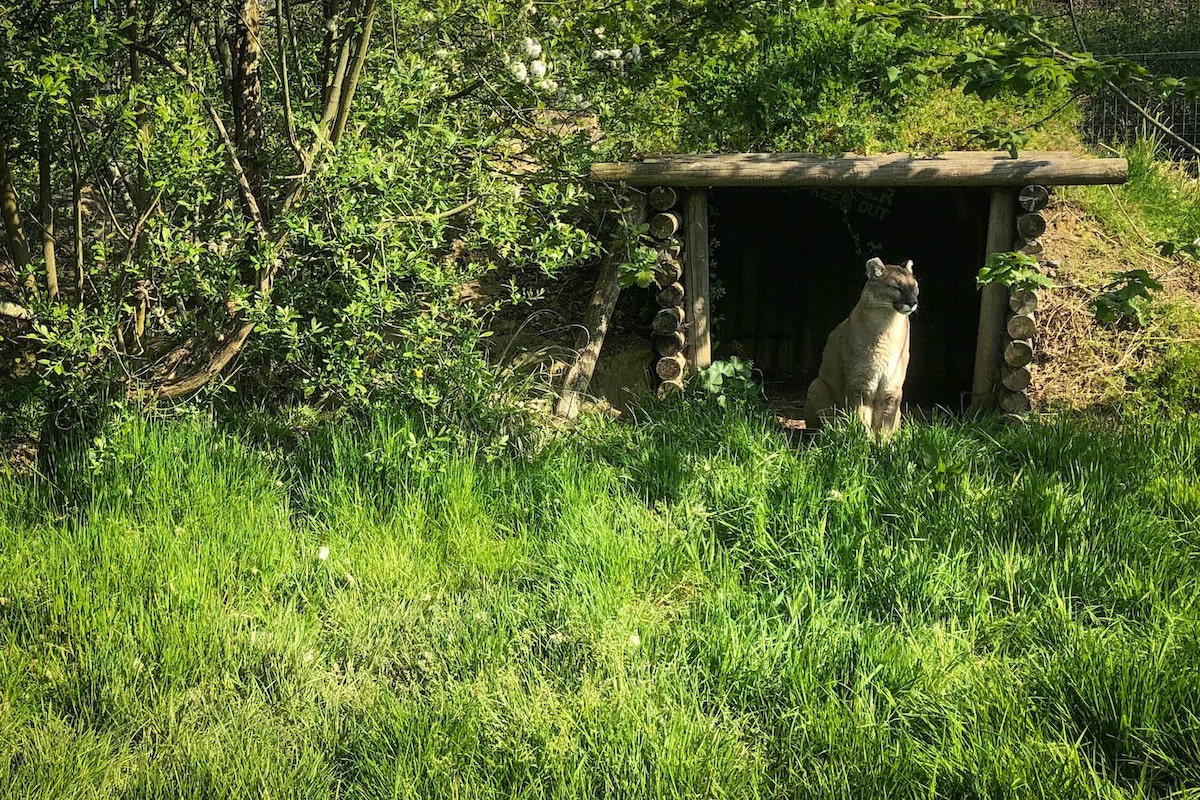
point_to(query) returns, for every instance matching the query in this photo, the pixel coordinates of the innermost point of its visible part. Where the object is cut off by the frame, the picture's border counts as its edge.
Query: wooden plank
(898, 169)
(604, 299)
(695, 231)
(993, 306)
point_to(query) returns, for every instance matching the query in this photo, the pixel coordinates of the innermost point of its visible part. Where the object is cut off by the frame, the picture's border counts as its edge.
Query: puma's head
(891, 285)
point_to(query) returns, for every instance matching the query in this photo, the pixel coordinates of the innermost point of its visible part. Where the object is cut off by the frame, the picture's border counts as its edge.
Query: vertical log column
(695, 215)
(993, 305)
(1021, 325)
(670, 340)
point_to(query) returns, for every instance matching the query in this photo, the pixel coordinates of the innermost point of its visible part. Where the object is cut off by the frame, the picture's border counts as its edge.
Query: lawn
(689, 606)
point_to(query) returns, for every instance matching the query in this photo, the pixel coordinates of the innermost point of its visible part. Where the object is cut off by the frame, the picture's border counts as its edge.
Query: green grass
(685, 607)
(1158, 202)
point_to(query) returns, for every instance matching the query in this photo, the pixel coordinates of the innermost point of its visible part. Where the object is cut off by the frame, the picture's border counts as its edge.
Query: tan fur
(865, 359)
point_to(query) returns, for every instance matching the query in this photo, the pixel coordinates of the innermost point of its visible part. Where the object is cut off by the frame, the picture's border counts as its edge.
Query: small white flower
(441, 54)
(529, 8)
(427, 17)
(480, 616)
(577, 99)
(323, 553)
(179, 530)
(599, 32)
(555, 22)
(635, 53)
(308, 657)
(548, 85)
(129, 491)
(614, 53)
(598, 55)
(538, 69)
(520, 72)
(557, 638)
(635, 640)
(834, 494)
(254, 570)
(532, 48)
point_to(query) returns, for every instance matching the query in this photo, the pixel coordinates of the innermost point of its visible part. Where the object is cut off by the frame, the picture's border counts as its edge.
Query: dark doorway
(788, 265)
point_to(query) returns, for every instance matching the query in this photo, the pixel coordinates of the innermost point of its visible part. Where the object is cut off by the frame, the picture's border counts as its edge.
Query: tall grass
(689, 606)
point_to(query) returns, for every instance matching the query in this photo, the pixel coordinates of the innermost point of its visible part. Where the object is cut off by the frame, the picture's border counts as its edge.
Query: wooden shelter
(793, 234)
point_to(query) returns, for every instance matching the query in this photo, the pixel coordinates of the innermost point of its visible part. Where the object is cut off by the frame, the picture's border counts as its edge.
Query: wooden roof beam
(966, 168)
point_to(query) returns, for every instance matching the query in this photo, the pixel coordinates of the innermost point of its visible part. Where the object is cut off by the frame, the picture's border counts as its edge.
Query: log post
(668, 320)
(993, 304)
(1021, 326)
(1017, 379)
(695, 210)
(671, 368)
(604, 299)
(1014, 403)
(667, 272)
(1031, 226)
(1032, 247)
(1023, 302)
(663, 198)
(1018, 353)
(665, 224)
(667, 388)
(669, 344)
(1033, 198)
(670, 295)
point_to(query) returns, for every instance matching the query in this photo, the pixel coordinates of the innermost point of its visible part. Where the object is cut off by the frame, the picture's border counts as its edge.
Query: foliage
(732, 378)
(1118, 299)
(687, 607)
(1018, 271)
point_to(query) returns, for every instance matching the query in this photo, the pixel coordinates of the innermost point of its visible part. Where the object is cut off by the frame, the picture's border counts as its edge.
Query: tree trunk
(17, 245)
(246, 94)
(46, 206)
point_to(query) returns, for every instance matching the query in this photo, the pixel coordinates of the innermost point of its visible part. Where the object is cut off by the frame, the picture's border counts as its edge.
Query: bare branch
(282, 19)
(347, 98)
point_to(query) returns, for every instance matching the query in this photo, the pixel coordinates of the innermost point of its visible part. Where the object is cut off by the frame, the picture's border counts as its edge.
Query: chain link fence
(1164, 36)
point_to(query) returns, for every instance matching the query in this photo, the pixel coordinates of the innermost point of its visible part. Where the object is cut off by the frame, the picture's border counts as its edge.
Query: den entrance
(788, 265)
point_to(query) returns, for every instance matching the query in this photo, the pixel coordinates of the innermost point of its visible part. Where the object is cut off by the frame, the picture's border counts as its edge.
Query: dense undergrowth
(687, 606)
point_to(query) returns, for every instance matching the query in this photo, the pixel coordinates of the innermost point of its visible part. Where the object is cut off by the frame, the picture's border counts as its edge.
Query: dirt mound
(1081, 365)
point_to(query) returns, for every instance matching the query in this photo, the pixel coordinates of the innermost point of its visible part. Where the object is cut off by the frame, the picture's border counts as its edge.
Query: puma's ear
(874, 269)
(908, 265)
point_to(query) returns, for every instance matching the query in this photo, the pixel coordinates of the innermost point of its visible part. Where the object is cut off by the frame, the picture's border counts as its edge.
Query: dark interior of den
(789, 265)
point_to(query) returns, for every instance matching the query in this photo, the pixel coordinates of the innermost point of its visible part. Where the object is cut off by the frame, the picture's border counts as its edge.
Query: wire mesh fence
(1162, 35)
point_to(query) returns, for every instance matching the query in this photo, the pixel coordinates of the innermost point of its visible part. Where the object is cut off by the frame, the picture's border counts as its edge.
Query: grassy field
(687, 607)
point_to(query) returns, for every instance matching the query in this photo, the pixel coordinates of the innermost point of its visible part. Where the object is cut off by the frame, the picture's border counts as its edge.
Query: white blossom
(441, 54)
(538, 69)
(548, 85)
(635, 640)
(427, 17)
(599, 32)
(555, 22)
(323, 553)
(598, 55)
(532, 48)
(520, 72)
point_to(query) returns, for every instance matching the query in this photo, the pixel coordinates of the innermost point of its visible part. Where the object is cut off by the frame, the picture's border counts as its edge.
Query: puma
(866, 357)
